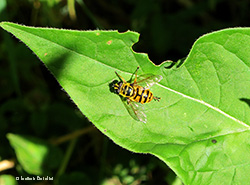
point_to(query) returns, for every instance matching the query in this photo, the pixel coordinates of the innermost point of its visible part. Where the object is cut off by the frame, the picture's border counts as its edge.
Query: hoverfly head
(117, 87)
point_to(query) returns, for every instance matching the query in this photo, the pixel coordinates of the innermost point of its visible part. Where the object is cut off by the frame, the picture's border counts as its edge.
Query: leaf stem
(72, 135)
(65, 160)
(90, 15)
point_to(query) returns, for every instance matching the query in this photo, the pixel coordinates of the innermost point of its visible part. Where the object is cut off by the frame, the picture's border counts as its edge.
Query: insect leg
(136, 74)
(120, 77)
(156, 98)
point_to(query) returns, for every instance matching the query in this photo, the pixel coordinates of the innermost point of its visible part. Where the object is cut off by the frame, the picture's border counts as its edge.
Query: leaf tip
(4, 24)
(9, 136)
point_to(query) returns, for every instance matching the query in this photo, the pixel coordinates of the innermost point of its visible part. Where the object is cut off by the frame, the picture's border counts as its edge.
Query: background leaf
(201, 126)
(35, 155)
(8, 180)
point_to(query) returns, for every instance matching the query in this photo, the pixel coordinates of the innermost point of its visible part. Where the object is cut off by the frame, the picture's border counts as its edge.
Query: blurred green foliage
(33, 104)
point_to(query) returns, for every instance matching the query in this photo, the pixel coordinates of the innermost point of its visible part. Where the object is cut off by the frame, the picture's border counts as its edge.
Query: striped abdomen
(141, 95)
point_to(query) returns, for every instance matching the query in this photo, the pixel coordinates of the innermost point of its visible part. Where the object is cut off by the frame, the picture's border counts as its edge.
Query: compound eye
(115, 82)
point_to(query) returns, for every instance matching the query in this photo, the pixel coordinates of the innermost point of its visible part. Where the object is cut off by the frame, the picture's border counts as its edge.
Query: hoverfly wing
(147, 80)
(136, 111)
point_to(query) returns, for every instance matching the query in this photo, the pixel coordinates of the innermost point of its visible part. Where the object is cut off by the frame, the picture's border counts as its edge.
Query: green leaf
(36, 156)
(200, 128)
(8, 180)
(2, 5)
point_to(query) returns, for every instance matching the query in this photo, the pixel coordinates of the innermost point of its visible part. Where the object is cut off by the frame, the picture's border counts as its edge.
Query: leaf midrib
(207, 105)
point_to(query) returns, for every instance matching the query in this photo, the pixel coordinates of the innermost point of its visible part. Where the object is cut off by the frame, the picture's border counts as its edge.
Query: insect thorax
(126, 90)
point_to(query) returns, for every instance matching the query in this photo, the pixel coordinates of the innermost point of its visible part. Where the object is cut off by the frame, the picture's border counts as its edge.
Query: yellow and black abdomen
(141, 95)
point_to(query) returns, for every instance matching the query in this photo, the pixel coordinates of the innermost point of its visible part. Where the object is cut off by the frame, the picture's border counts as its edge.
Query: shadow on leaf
(245, 100)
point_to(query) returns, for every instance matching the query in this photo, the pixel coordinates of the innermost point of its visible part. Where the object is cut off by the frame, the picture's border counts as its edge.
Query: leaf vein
(207, 105)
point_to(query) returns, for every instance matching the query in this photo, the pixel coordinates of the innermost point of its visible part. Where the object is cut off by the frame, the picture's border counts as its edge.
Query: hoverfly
(137, 93)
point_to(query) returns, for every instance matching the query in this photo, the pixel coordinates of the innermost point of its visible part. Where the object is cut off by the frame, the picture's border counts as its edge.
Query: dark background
(32, 102)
